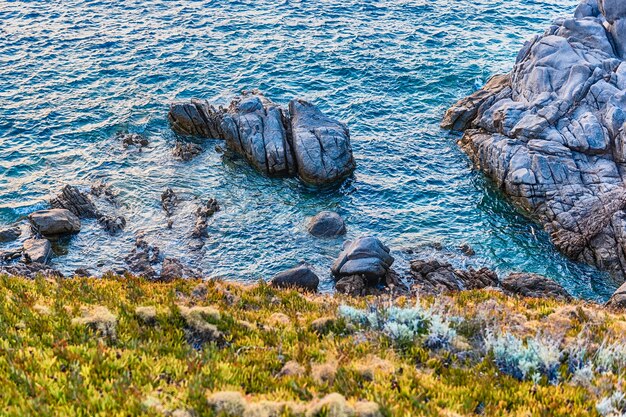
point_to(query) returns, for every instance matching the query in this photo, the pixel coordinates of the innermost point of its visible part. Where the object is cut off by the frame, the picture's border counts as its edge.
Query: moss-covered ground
(121, 346)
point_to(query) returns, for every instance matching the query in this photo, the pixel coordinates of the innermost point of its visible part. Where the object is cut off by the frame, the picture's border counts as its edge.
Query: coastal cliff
(551, 133)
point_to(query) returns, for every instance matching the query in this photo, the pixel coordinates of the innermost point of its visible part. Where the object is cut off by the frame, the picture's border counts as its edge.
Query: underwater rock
(299, 277)
(132, 139)
(534, 285)
(326, 224)
(186, 151)
(72, 199)
(275, 141)
(10, 234)
(366, 256)
(54, 222)
(551, 133)
(37, 251)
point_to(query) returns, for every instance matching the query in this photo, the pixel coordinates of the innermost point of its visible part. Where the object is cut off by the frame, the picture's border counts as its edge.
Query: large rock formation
(551, 133)
(300, 140)
(54, 222)
(367, 257)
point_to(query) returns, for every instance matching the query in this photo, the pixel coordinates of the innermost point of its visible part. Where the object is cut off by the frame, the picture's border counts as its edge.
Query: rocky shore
(551, 133)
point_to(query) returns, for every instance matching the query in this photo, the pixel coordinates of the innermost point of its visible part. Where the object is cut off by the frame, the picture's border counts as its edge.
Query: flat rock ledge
(552, 136)
(300, 140)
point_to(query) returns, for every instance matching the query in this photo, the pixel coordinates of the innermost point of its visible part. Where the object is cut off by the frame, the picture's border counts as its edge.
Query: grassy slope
(53, 362)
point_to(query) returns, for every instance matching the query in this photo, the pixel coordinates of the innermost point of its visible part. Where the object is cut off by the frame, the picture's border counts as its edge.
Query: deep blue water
(73, 74)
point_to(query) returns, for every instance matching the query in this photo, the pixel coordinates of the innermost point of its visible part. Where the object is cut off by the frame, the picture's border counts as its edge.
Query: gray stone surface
(435, 276)
(366, 256)
(299, 277)
(618, 299)
(551, 133)
(37, 251)
(55, 222)
(326, 224)
(10, 234)
(74, 200)
(275, 141)
(533, 285)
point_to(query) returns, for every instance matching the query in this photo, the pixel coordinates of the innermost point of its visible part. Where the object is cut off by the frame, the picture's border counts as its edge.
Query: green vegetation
(126, 346)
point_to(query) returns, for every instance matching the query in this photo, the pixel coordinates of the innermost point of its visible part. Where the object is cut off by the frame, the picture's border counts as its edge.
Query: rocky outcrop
(436, 276)
(186, 151)
(203, 213)
(300, 277)
(533, 285)
(551, 133)
(172, 269)
(54, 222)
(37, 251)
(169, 201)
(618, 299)
(365, 256)
(301, 140)
(30, 270)
(72, 199)
(326, 224)
(142, 259)
(79, 203)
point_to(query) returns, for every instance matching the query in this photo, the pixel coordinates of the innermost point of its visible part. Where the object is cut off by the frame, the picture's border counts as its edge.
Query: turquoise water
(73, 74)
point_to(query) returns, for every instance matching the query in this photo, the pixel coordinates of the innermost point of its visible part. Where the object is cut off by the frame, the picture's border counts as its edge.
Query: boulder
(534, 285)
(74, 200)
(169, 201)
(299, 277)
(142, 259)
(30, 270)
(301, 140)
(353, 285)
(366, 256)
(37, 251)
(618, 299)
(173, 269)
(436, 276)
(10, 234)
(112, 224)
(326, 224)
(132, 139)
(551, 133)
(55, 222)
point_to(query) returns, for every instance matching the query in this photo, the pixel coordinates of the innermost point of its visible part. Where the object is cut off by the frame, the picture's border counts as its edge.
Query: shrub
(525, 361)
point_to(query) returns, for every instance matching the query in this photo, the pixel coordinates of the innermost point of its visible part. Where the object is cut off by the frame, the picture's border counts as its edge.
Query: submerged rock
(55, 222)
(534, 285)
(299, 277)
(186, 151)
(301, 140)
(112, 224)
(326, 224)
(366, 256)
(37, 251)
(10, 234)
(132, 139)
(551, 133)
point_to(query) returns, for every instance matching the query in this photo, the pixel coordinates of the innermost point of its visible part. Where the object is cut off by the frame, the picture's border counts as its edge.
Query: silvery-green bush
(403, 324)
(525, 360)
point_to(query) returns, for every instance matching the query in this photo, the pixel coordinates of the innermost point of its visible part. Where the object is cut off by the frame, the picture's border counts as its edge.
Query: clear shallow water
(72, 75)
